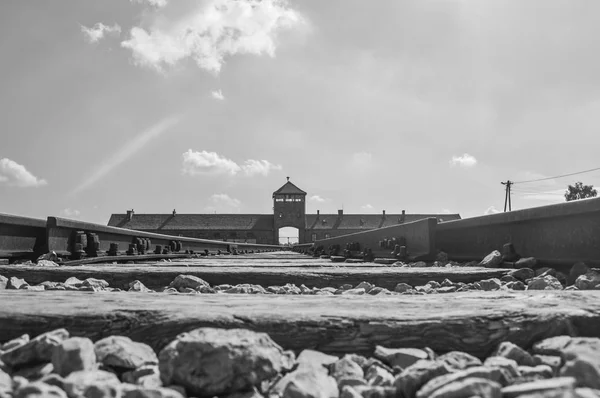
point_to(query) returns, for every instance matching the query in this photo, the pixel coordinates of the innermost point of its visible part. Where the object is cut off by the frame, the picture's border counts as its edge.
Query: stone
(512, 351)
(346, 367)
(476, 372)
(547, 282)
(46, 263)
(354, 292)
(576, 271)
(507, 365)
(34, 372)
(538, 372)
(77, 382)
(307, 382)
(559, 385)
(14, 343)
(317, 359)
(518, 285)
(38, 288)
(143, 392)
(137, 286)
(73, 354)
(210, 361)
(470, 387)
(122, 353)
(526, 262)
(492, 260)
(54, 380)
(402, 287)
(402, 357)
(508, 278)
(458, 360)
(365, 285)
(587, 281)
(545, 271)
(37, 350)
(555, 362)
(583, 366)
(447, 289)
(552, 345)
(375, 391)
(73, 281)
(522, 274)
(379, 376)
(488, 284)
(16, 283)
(102, 390)
(411, 379)
(39, 389)
(6, 383)
(585, 392)
(3, 282)
(352, 381)
(189, 281)
(96, 283)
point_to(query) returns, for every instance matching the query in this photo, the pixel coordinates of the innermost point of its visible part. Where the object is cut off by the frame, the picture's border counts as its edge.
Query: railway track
(80, 242)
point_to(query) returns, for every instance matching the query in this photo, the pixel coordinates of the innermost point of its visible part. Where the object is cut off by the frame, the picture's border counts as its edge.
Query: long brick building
(289, 210)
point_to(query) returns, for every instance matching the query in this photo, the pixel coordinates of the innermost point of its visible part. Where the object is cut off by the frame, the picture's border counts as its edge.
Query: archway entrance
(289, 236)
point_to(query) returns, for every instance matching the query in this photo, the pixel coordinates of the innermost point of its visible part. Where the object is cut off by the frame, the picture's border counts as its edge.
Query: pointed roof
(289, 189)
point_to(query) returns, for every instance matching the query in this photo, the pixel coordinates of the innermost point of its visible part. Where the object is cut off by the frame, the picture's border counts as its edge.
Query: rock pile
(240, 363)
(580, 278)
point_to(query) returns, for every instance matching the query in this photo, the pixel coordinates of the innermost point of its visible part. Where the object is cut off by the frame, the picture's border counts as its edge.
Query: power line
(560, 176)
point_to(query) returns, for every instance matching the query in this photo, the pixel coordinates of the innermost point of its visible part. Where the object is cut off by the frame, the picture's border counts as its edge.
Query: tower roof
(289, 189)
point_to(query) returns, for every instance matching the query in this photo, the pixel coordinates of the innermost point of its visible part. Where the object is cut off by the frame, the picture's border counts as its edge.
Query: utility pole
(508, 184)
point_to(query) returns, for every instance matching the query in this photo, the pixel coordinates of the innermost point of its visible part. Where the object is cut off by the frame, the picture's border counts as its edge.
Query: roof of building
(264, 222)
(367, 221)
(289, 189)
(157, 222)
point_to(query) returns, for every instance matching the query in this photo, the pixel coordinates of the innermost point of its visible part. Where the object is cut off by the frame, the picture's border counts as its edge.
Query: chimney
(174, 213)
(130, 214)
(340, 213)
(318, 212)
(384, 213)
(403, 217)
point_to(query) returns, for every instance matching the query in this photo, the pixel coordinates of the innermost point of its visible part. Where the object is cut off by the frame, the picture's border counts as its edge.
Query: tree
(580, 191)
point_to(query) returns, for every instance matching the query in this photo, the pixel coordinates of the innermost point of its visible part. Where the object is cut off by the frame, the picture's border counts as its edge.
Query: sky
(208, 105)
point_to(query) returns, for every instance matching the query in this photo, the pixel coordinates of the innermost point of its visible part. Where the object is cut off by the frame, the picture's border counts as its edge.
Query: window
(327, 236)
(313, 237)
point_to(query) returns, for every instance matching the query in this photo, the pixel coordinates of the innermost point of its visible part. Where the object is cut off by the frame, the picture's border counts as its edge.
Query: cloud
(491, 210)
(367, 207)
(317, 198)
(362, 159)
(218, 95)
(154, 3)
(209, 31)
(446, 211)
(222, 202)
(99, 30)
(71, 213)
(203, 162)
(465, 160)
(15, 175)
(127, 151)
(263, 167)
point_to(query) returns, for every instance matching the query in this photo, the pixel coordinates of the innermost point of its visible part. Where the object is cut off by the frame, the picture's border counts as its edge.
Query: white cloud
(253, 167)
(203, 162)
(317, 198)
(221, 202)
(127, 151)
(465, 160)
(16, 175)
(99, 30)
(71, 213)
(446, 211)
(362, 159)
(491, 210)
(218, 95)
(154, 3)
(367, 207)
(209, 31)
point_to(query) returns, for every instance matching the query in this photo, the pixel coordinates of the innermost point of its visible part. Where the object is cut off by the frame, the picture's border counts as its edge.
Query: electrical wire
(560, 176)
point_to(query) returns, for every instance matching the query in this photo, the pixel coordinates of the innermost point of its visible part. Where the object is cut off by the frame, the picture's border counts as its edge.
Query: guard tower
(289, 210)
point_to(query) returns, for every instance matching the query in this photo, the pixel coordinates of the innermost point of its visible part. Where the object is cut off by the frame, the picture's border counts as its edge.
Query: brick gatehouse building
(289, 210)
